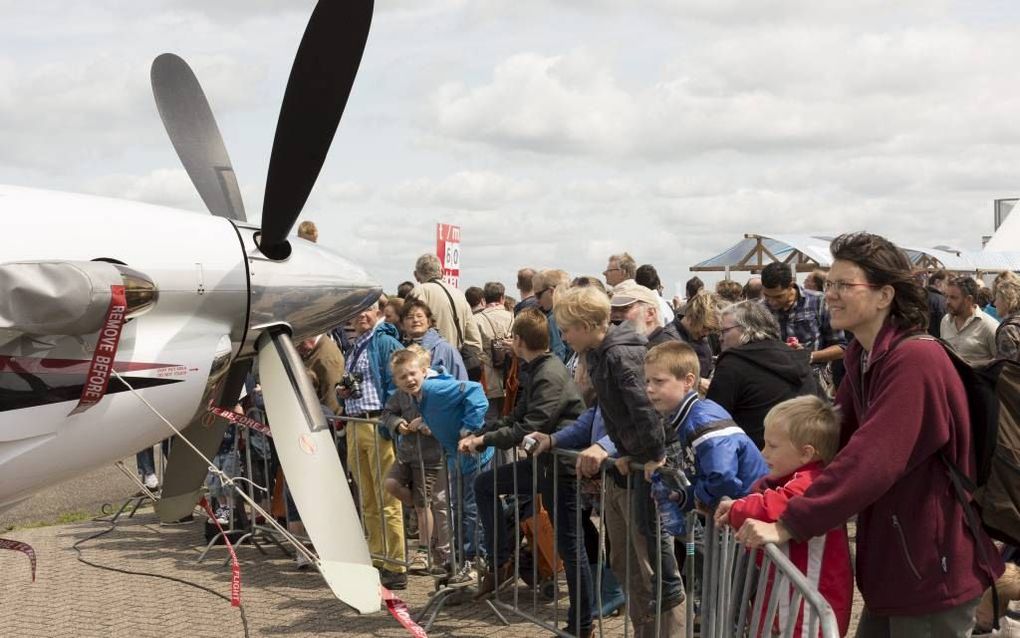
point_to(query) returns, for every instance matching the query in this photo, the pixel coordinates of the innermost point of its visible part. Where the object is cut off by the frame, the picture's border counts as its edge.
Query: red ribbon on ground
(399, 610)
(24, 548)
(97, 380)
(235, 567)
(240, 419)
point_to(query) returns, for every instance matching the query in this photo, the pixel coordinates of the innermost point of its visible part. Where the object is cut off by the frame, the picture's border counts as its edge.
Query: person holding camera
(364, 389)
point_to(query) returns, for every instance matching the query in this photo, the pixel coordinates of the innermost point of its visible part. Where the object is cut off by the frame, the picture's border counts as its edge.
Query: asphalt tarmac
(78, 498)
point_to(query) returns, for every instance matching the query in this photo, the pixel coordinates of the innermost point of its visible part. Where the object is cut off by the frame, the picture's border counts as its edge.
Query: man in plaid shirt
(802, 315)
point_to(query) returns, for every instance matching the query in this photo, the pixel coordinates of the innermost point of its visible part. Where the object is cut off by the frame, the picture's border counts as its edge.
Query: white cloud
(470, 190)
(346, 191)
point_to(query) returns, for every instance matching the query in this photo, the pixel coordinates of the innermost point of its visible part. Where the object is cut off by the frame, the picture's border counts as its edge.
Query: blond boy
(417, 478)
(801, 436)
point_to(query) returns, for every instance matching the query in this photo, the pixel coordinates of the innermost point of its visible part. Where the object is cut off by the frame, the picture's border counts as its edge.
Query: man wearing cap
(638, 306)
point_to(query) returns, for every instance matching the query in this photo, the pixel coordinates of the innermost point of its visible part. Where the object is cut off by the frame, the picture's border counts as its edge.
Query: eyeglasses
(840, 287)
(609, 270)
(543, 291)
(725, 330)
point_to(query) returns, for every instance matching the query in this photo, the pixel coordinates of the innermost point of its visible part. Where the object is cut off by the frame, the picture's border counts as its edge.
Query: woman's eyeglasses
(839, 287)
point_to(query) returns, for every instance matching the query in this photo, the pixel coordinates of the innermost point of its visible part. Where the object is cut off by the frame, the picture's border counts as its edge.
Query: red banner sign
(97, 380)
(24, 548)
(398, 609)
(240, 419)
(448, 251)
(235, 567)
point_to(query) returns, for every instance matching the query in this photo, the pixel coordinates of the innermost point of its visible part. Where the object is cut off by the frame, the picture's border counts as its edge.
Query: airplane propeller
(193, 131)
(309, 459)
(320, 83)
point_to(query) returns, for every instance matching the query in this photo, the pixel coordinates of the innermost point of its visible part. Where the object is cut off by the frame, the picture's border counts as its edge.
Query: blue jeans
(464, 518)
(563, 505)
(146, 461)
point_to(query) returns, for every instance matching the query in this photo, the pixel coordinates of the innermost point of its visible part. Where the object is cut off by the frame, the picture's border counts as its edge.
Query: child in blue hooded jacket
(450, 409)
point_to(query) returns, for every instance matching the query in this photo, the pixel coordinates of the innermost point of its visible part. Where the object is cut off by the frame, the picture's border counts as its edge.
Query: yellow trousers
(369, 457)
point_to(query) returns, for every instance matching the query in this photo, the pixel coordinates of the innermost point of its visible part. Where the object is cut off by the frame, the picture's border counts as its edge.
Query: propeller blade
(192, 128)
(317, 91)
(314, 474)
(185, 471)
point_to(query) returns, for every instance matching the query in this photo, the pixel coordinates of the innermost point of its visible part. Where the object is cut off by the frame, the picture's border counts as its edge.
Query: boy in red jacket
(801, 436)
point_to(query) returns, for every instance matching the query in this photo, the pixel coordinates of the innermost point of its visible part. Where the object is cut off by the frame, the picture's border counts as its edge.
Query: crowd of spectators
(434, 383)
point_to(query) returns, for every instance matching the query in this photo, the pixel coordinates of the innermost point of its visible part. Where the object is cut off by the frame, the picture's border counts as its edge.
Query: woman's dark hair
(886, 265)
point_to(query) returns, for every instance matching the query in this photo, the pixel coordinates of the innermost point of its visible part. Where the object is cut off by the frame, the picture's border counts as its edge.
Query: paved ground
(82, 497)
(73, 599)
(70, 598)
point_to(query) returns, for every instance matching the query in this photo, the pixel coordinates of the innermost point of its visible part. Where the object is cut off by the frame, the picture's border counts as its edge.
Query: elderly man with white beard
(639, 306)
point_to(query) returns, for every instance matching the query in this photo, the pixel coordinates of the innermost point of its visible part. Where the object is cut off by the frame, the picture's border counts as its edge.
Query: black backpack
(992, 499)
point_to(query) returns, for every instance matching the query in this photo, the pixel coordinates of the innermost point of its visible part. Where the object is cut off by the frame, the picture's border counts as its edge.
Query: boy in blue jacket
(450, 409)
(726, 461)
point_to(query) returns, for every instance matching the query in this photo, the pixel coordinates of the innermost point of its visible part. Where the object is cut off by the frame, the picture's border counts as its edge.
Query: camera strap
(360, 350)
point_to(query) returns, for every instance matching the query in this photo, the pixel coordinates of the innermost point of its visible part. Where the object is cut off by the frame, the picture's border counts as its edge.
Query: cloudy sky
(554, 132)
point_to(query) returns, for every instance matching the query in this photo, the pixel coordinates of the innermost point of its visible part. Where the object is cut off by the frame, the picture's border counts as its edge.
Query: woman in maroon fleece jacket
(918, 567)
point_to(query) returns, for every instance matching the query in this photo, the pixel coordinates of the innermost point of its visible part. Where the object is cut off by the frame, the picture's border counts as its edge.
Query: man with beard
(966, 327)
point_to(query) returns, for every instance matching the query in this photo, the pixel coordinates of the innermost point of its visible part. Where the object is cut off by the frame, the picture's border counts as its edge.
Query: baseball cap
(629, 292)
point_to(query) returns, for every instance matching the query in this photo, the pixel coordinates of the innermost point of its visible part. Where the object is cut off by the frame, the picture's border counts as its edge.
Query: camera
(528, 444)
(351, 382)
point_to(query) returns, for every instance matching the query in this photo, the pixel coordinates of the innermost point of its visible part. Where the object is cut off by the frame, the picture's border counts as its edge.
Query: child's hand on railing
(722, 512)
(470, 444)
(542, 443)
(757, 533)
(622, 465)
(651, 466)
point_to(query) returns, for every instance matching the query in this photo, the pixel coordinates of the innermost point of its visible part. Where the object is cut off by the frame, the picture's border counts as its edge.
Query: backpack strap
(962, 487)
(453, 308)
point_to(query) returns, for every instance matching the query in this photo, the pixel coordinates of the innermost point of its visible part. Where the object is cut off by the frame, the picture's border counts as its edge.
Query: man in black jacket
(756, 370)
(548, 400)
(615, 361)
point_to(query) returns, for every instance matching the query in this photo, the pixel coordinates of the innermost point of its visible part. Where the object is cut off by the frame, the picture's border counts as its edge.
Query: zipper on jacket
(903, 545)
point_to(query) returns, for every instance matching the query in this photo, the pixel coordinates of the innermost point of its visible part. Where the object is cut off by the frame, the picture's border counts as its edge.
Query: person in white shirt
(965, 327)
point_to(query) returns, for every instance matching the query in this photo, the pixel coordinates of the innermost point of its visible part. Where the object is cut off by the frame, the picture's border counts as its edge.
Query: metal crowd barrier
(735, 592)
(748, 593)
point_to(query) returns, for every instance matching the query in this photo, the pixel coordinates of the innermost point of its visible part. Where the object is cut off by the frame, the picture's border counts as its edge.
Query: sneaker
(151, 482)
(667, 604)
(392, 580)
(438, 569)
(420, 561)
(465, 576)
(302, 561)
(223, 515)
(496, 579)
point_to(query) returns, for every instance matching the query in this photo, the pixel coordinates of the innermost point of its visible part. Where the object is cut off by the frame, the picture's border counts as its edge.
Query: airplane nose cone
(313, 291)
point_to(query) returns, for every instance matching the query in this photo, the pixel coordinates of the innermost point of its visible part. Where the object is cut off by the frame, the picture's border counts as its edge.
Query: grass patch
(61, 519)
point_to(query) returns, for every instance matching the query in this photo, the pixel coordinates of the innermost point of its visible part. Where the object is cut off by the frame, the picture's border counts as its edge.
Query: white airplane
(205, 297)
